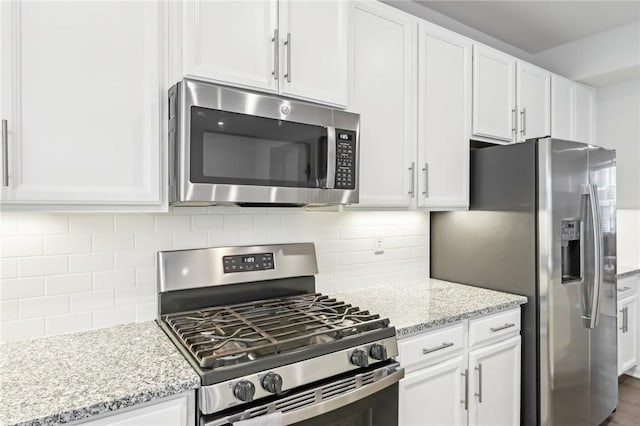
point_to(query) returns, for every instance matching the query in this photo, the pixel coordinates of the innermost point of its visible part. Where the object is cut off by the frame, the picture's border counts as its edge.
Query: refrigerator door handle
(592, 192)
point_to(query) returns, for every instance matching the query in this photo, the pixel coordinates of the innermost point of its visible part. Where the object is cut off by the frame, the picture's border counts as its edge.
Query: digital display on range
(248, 263)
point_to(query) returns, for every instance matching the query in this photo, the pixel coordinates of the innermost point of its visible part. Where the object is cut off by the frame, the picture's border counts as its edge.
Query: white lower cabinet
(628, 332)
(178, 410)
(454, 380)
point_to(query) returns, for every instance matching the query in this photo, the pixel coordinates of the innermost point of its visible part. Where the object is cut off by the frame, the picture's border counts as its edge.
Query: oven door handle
(323, 406)
(331, 157)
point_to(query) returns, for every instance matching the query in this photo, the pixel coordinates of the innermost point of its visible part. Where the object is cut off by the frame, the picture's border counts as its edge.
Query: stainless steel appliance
(263, 341)
(232, 146)
(542, 223)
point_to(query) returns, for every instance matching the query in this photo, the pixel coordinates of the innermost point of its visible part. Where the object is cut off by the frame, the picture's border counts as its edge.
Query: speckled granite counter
(417, 306)
(70, 377)
(627, 271)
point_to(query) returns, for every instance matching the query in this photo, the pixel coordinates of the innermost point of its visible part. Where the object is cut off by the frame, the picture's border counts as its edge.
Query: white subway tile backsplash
(110, 317)
(8, 310)
(21, 329)
(43, 265)
(84, 224)
(68, 323)
(94, 262)
(67, 284)
(43, 306)
(95, 271)
(114, 279)
(92, 300)
(21, 246)
(21, 287)
(67, 244)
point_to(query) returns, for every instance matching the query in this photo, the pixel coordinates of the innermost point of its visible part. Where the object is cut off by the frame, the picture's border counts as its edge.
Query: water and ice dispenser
(571, 251)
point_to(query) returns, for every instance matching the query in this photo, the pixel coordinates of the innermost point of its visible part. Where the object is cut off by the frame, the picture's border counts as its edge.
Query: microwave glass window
(231, 148)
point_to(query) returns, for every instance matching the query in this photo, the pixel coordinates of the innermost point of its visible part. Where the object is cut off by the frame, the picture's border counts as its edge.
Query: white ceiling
(536, 26)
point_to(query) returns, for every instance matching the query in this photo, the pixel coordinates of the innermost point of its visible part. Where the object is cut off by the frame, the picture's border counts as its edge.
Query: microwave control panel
(247, 262)
(345, 159)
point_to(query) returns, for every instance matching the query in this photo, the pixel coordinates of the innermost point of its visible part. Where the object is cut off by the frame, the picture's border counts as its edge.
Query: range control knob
(244, 390)
(359, 358)
(378, 351)
(272, 382)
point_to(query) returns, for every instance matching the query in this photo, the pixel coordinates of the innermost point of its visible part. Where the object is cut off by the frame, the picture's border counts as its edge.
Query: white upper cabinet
(494, 95)
(563, 107)
(82, 91)
(534, 101)
(382, 89)
(444, 118)
(232, 42)
(314, 50)
(585, 114)
(294, 48)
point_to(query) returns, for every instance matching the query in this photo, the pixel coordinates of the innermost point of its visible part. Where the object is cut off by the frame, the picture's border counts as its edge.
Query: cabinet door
(444, 115)
(627, 334)
(494, 384)
(585, 114)
(382, 88)
(82, 91)
(563, 111)
(494, 96)
(231, 42)
(434, 396)
(534, 101)
(314, 48)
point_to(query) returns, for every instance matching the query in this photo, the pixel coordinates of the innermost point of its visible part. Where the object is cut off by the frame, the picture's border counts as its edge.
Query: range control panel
(345, 159)
(248, 262)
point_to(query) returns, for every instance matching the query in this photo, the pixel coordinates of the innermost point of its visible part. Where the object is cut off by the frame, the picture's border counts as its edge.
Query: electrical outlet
(379, 245)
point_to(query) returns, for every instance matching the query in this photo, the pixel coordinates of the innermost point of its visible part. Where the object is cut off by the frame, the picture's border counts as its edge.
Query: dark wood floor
(628, 412)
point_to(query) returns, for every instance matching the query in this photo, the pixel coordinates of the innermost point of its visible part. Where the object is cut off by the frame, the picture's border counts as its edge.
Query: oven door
(367, 399)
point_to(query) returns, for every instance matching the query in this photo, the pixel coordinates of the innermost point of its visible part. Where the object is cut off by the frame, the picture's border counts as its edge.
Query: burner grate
(226, 335)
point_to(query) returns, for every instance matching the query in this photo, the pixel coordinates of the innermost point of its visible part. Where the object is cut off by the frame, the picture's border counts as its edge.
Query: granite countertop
(417, 306)
(64, 378)
(627, 271)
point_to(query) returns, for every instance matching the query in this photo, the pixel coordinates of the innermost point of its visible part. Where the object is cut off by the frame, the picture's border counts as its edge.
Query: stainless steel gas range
(266, 344)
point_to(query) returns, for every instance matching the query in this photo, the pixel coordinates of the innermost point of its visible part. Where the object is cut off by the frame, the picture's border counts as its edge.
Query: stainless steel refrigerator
(542, 223)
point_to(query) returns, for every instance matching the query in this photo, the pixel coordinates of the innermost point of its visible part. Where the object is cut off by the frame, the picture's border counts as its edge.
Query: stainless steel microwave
(232, 146)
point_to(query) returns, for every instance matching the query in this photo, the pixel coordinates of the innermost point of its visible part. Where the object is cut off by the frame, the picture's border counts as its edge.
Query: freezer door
(604, 376)
(563, 175)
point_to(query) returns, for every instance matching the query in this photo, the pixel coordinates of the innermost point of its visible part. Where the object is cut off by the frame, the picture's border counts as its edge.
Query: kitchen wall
(65, 273)
(628, 238)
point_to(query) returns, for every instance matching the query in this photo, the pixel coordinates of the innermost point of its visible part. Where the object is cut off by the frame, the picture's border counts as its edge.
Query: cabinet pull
(444, 345)
(5, 154)
(465, 401)
(622, 312)
(412, 169)
(623, 289)
(288, 44)
(626, 320)
(425, 169)
(524, 121)
(513, 120)
(509, 325)
(276, 54)
(479, 394)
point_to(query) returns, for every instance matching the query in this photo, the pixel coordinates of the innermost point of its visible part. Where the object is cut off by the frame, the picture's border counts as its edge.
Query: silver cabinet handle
(5, 154)
(623, 289)
(513, 120)
(479, 394)
(622, 312)
(288, 44)
(524, 121)
(276, 54)
(425, 169)
(465, 401)
(509, 325)
(444, 345)
(626, 319)
(412, 169)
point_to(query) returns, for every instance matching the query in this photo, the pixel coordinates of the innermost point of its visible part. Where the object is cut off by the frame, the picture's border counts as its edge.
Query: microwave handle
(331, 157)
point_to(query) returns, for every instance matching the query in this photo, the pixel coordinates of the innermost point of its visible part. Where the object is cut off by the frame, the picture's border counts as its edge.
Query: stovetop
(228, 335)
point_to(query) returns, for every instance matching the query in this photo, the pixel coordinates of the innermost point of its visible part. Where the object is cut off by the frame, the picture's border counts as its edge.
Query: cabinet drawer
(627, 287)
(499, 325)
(434, 345)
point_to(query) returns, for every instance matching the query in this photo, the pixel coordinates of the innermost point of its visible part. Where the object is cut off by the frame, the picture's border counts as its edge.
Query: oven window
(239, 149)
